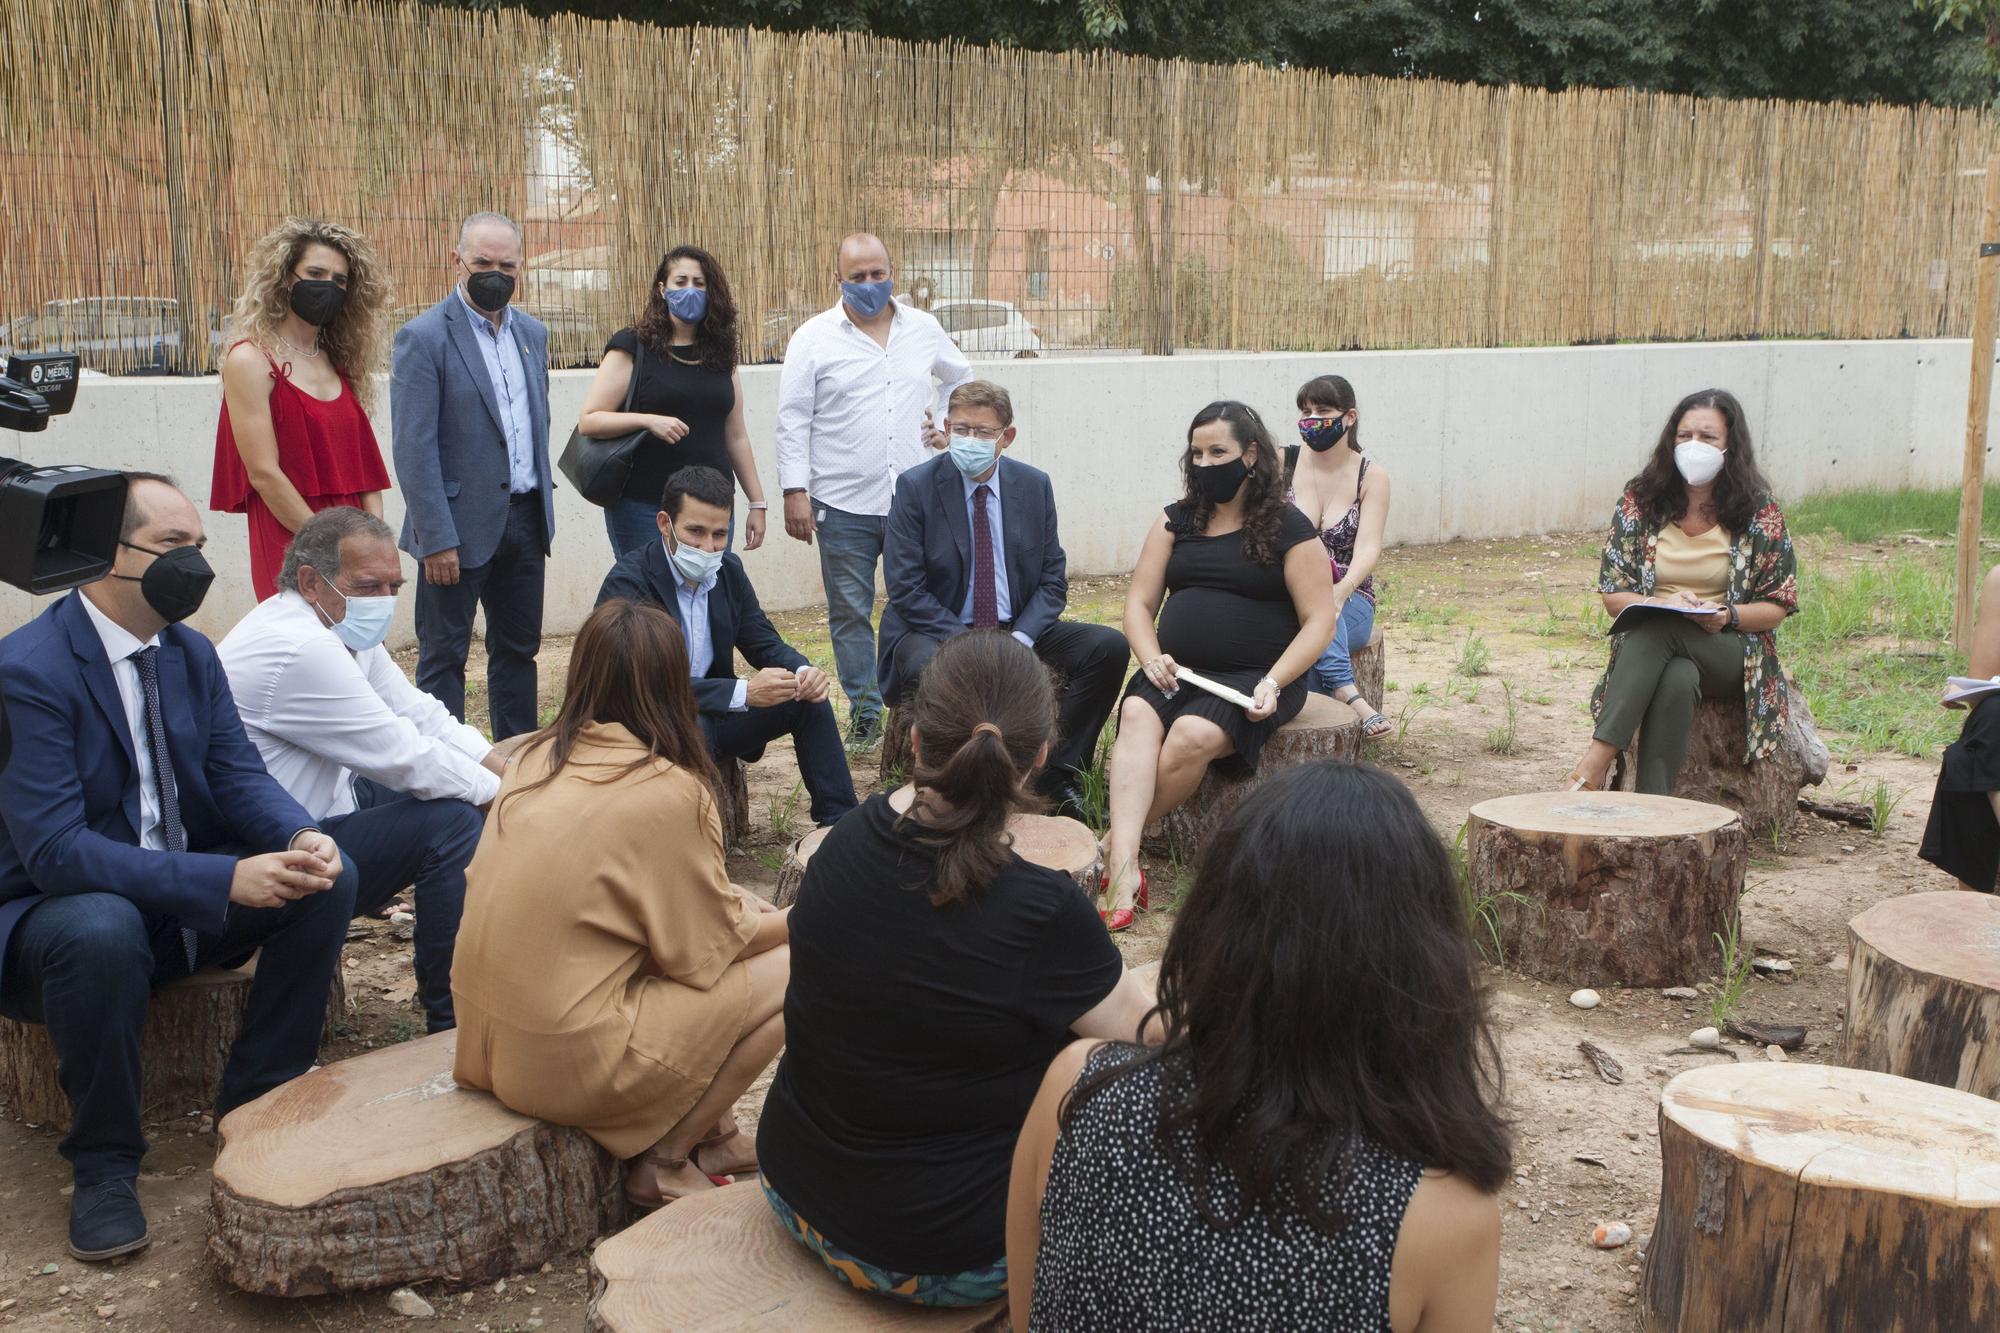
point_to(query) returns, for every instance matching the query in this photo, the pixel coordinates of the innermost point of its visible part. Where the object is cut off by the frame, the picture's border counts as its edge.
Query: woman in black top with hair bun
(1251, 607)
(690, 396)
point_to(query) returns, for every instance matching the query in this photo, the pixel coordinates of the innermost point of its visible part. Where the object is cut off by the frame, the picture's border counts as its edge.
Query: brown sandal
(715, 1141)
(655, 1193)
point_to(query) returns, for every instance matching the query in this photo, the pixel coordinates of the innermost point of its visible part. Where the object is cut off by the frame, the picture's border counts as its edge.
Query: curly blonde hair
(354, 340)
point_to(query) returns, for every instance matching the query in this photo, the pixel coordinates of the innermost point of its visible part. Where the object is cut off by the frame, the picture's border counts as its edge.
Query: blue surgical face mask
(867, 299)
(688, 304)
(366, 621)
(972, 454)
(695, 565)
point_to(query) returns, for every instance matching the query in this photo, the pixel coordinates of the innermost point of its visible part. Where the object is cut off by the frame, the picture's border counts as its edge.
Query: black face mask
(490, 290)
(1219, 482)
(317, 301)
(174, 584)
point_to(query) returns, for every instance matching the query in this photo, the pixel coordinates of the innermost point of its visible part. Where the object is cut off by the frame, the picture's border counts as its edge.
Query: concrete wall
(1481, 443)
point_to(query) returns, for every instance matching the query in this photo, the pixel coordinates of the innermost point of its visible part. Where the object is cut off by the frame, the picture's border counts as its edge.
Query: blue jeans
(850, 548)
(394, 840)
(85, 964)
(1335, 669)
(632, 523)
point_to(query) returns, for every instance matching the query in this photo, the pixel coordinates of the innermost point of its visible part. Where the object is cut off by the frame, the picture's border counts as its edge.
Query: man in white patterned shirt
(855, 404)
(378, 763)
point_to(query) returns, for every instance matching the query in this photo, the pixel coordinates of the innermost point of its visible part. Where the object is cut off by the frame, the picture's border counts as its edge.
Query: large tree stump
(1370, 668)
(1812, 1199)
(191, 1024)
(1765, 793)
(1923, 990)
(380, 1170)
(1323, 729)
(732, 802)
(1055, 841)
(723, 1261)
(1597, 888)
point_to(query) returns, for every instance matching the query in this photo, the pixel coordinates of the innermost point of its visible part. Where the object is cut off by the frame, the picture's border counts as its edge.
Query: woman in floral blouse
(1696, 528)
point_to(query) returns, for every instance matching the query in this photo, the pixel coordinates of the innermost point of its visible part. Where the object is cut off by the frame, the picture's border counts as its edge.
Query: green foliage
(1482, 910)
(1501, 739)
(1475, 659)
(1871, 515)
(1882, 803)
(1726, 994)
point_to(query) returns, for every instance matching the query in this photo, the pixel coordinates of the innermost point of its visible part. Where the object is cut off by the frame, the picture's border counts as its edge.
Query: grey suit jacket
(449, 441)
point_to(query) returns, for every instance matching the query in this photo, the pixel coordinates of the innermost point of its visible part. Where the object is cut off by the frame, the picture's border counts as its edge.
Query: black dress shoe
(1066, 799)
(106, 1221)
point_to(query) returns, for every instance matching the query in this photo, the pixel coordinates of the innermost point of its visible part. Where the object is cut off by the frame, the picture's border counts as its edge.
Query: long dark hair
(1264, 491)
(983, 711)
(1320, 984)
(629, 665)
(1740, 490)
(715, 336)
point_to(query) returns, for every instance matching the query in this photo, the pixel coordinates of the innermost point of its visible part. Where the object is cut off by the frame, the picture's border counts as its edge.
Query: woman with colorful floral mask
(690, 397)
(1347, 499)
(1696, 530)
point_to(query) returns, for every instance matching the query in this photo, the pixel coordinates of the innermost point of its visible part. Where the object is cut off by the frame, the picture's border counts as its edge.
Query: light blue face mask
(867, 299)
(972, 454)
(366, 622)
(688, 304)
(696, 566)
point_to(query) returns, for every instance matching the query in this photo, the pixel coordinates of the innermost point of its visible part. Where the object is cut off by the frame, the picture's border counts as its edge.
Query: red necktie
(985, 600)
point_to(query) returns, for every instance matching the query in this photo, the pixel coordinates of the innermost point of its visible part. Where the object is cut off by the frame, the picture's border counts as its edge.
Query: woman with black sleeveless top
(690, 396)
(1314, 1145)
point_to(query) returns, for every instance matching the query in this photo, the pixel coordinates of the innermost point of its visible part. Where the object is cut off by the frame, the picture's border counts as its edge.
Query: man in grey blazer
(971, 544)
(469, 415)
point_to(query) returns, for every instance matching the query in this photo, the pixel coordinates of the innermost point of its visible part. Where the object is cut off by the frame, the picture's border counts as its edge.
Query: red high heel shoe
(1121, 918)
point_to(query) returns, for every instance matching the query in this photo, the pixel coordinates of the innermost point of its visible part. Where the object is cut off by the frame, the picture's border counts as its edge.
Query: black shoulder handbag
(600, 468)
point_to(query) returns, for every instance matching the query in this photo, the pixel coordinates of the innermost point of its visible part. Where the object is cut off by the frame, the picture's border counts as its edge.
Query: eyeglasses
(982, 435)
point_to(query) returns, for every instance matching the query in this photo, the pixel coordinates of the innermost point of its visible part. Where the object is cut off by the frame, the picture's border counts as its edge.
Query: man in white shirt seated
(379, 764)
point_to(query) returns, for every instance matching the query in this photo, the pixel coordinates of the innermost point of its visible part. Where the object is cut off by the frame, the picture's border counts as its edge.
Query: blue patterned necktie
(985, 594)
(148, 662)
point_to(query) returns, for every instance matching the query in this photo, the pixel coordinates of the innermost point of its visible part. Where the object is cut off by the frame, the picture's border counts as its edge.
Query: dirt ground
(1799, 897)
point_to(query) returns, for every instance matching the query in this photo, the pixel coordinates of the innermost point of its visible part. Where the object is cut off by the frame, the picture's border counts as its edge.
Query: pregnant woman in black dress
(1252, 608)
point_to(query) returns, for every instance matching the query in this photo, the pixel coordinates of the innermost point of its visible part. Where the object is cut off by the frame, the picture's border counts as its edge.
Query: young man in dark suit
(703, 587)
(971, 544)
(142, 840)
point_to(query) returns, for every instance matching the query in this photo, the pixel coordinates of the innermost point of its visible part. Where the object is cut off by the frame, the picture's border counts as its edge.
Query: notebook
(1631, 616)
(1960, 691)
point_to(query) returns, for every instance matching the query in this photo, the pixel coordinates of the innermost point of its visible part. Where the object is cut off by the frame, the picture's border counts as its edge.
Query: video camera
(58, 524)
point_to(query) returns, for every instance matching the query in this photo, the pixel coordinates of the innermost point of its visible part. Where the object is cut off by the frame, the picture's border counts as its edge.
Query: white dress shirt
(119, 647)
(320, 713)
(508, 370)
(695, 628)
(851, 411)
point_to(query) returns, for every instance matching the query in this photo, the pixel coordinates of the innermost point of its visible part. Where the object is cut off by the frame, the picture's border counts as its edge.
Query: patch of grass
(1881, 805)
(1870, 515)
(1726, 994)
(1551, 624)
(1482, 910)
(771, 860)
(1592, 619)
(1501, 739)
(1475, 658)
(402, 1028)
(1095, 783)
(1407, 714)
(785, 813)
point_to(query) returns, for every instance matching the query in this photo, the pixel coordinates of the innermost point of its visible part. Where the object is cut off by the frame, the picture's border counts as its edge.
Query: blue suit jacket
(735, 620)
(448, 437)
(927, 556)
(69, 784)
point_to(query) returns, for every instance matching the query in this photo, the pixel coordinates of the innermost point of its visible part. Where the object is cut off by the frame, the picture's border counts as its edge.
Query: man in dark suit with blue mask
(469, 419)
(971, 544)
(142, 840)
(703, 586)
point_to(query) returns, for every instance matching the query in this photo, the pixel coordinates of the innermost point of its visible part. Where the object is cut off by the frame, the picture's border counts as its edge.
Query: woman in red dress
(294, 437)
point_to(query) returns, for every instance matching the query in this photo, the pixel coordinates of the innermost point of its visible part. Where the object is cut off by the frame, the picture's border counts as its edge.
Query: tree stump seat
(1323, 729)
(722, 1261)
(1055, 841)
(1608, 888)
(380, 1170)
(1814, 1199)
(1923, 990)
(732, 803)
(1765, 793)
(191, 1024)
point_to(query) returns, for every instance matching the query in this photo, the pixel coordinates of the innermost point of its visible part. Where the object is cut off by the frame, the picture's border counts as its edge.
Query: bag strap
(638, 360)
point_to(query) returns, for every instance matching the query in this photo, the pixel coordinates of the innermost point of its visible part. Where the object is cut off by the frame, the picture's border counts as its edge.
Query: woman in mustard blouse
(1696, 527)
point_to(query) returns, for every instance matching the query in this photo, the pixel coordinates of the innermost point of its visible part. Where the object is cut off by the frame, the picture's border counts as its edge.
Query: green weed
(1500, 740)
(1726, 994)
(1881, 805)
(1475, 659)
(1482, 910)
(785, 813)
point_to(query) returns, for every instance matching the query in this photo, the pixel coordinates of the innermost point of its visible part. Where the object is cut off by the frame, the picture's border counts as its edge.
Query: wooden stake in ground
(722, 1260)
(1608, 888)
(1813, 1199)
(1979, 402)
(380, 1170)
(1044, 840)
(1923, 990)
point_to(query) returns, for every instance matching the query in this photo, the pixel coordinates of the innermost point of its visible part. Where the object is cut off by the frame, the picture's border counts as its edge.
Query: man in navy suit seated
(971, 544)
(142, 840)
(704, 588)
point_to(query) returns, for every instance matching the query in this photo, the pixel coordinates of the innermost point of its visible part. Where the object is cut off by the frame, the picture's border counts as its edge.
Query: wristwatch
(1732, 615)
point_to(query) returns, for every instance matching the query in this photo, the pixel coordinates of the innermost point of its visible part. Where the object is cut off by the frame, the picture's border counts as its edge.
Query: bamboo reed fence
(1112, 202)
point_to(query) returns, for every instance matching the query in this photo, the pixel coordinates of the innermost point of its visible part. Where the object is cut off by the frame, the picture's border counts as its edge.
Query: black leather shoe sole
(98, 1256)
